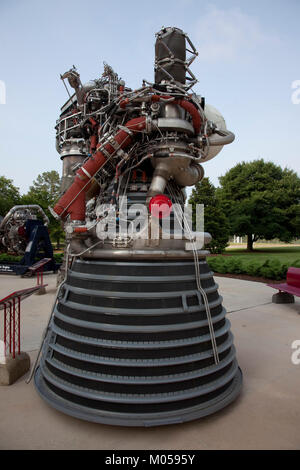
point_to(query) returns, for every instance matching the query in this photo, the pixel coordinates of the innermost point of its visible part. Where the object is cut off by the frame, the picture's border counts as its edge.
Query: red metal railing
(11, 306)
(39, 269)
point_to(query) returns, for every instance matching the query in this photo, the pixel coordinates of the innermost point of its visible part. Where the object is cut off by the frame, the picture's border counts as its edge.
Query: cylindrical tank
(214, 115)
(170, 55)
(71, 154)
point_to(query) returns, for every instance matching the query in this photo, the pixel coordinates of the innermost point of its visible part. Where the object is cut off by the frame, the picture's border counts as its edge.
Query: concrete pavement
(265, 416)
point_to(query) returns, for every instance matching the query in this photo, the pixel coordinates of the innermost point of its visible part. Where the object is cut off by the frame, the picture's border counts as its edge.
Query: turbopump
(138, 335)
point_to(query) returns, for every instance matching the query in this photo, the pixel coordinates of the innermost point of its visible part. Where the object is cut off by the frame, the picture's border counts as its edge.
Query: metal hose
(222, 138)
(27, 206)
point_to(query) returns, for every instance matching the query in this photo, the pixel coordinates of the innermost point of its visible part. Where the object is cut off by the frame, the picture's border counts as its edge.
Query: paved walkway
(265, 416)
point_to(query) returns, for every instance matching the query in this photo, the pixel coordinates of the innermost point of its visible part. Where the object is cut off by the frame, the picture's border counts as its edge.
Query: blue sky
(249, 56)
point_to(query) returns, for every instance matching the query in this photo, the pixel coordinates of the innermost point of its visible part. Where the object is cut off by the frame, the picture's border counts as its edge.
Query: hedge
(5, 258)
(270, 269)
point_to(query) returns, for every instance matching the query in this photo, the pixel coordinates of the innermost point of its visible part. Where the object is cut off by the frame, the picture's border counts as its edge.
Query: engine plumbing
(107, 131)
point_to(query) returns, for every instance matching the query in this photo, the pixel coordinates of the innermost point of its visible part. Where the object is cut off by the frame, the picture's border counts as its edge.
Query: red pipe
(186, 105)
(93, 144)
(73, 201)
(124, 103)
(193, 111)
(94, 137)
(93, 122)
(80, 229)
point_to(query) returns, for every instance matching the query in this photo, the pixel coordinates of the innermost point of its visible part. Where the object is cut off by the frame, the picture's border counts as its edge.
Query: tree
(45, 191)
(9, 195)
(215, 221)
(46, 187)
(261, 200)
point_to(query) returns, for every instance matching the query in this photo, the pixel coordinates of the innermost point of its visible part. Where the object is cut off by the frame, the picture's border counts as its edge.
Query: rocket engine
(138, 334)
(13, 236)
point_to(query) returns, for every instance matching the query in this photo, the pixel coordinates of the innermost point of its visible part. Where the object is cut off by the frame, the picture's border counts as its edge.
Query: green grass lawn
(283, 254)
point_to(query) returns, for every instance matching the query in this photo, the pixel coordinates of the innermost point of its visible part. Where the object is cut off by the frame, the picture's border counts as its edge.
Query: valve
(160, 206)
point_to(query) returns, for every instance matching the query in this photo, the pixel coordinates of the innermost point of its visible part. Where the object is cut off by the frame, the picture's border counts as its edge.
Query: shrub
(217, 264)
(270, 269)
(234, 265)
(252, 268)
(58, 257)
(5, 258)
(273, 269)
(296, 263)
(217, 245)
